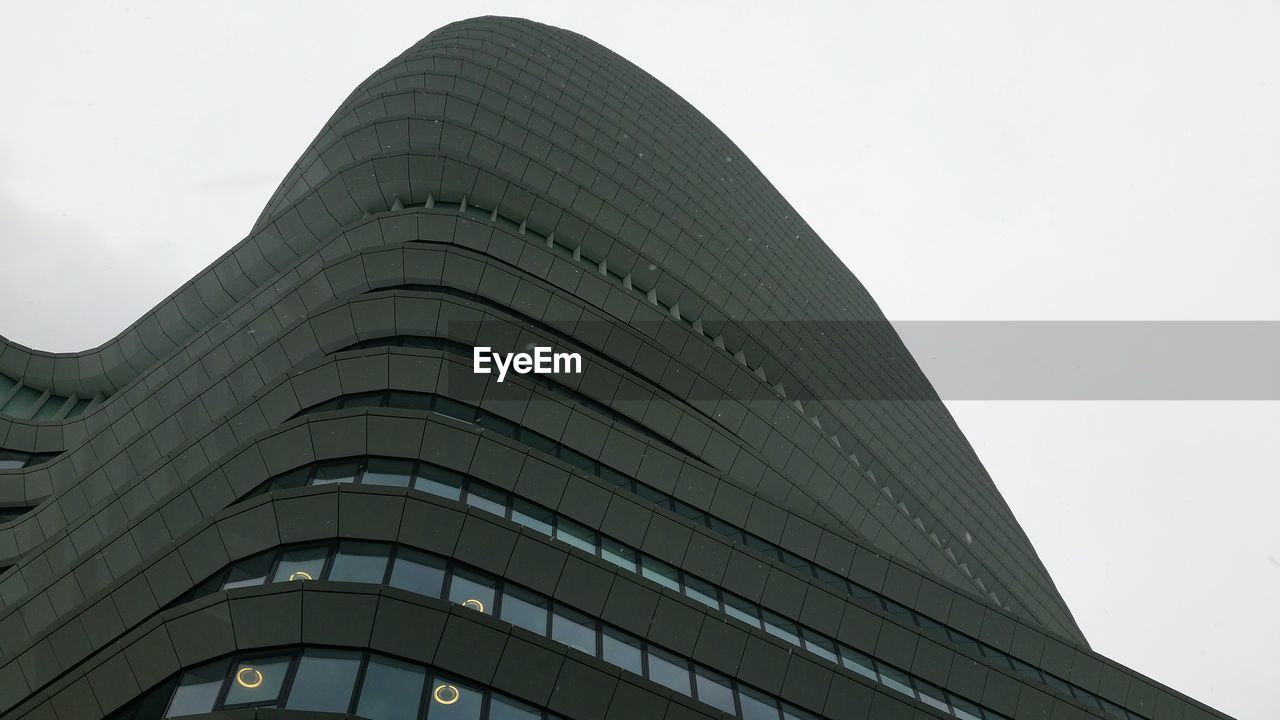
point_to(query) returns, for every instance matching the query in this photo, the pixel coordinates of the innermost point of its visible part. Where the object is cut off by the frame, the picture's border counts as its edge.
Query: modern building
(286, 487)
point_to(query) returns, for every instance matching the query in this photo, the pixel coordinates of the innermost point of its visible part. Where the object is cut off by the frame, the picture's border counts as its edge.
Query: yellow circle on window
(300, 575)
(249, 677)
(446, 694)
(474, 604)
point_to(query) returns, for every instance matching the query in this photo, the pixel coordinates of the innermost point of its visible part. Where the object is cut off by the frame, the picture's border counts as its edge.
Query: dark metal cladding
(285, 487)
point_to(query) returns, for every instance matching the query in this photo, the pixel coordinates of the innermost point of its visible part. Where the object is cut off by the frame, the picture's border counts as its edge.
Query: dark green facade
(285, 487)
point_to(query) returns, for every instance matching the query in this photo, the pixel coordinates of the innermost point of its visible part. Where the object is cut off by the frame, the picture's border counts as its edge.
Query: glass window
(577, 459)
(858, 662)
(455, 410)
(573, 629)
(368, 399)
(257, 680)
(576, 535)
(820, 646)
(495, 423)
(793, 713)
(301, 564)
(895, 679)
(660, 572)
(451, 700)
(198, 689)
(965, 710)
(618, 554)
(738, 608)
(532, 516)
(418, 573)
(621, 650)
(486, 498)
(781, 628)
(331, 473)
(360, 562)
(438, 481)
(409, 400)
(504, 708)
(392, 690)
(668, 670)
(472, 590)
(715, 690)
(756, 706)
(385, 471)
(703, 592)
(932, 696)
(324, 681)
(248, 572)
(294, 479)
(524, 609)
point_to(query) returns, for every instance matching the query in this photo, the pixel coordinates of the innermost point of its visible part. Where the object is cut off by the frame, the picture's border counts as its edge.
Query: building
(287, 487)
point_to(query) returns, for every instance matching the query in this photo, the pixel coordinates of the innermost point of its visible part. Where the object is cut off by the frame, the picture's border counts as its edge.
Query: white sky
(985, 160)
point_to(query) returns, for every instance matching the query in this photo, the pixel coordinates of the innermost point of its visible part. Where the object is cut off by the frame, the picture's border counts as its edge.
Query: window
(439, 481)
(621, 651)
(858, 663)
(576, 535)
(532, 516)
(248, 572)
(573, 629)
(668, 670)
(618, 554)
(501, 708)
(418, 573)
(335, 473)
(781, 628)
(451, 700)
(324, 681)
(524, 609)
(301, 564)
(738, 608)
(660, 572)
(472, 590)
(392, 473)
(392, 690)
(198, 690)
(715, 690)
(257, 681)
(491, 500)
(896, 680)
(756, 706)
(360, 562)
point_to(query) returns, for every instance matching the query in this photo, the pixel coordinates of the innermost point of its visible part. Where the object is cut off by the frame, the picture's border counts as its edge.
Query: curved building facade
(286, 487)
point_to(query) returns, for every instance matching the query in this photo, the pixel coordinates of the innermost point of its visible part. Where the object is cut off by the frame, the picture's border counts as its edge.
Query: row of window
(319, 679)
(434, 576)
(15, 459)
(21, 401)
(865, 596)
(480, 495)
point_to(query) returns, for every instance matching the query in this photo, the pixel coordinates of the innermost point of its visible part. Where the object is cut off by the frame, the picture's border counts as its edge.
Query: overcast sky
(969, 161)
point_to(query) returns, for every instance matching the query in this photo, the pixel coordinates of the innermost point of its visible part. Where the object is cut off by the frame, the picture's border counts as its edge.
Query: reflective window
(660, 572)
(198, 690)
(257, 681)
(248, 572)
(756, 706)
(896, 680)
(501, 708)
(780, 627)
(301, 564)
(738, 608)
(573, 629)
(439, 482)
(525, 609)
(392, 690)
(622, 651)
(472, 590)
(491, 500)
(384, 471)
(618, 554)
(572, 533)
(532, 516)
(714, 689)
(418, 573)
(324, 680)
(858, 663)
(451, 700)
(668, 670)
(360, 562)
(333, 473)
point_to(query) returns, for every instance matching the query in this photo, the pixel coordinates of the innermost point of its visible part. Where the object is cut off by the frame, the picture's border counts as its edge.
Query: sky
(980, 161)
